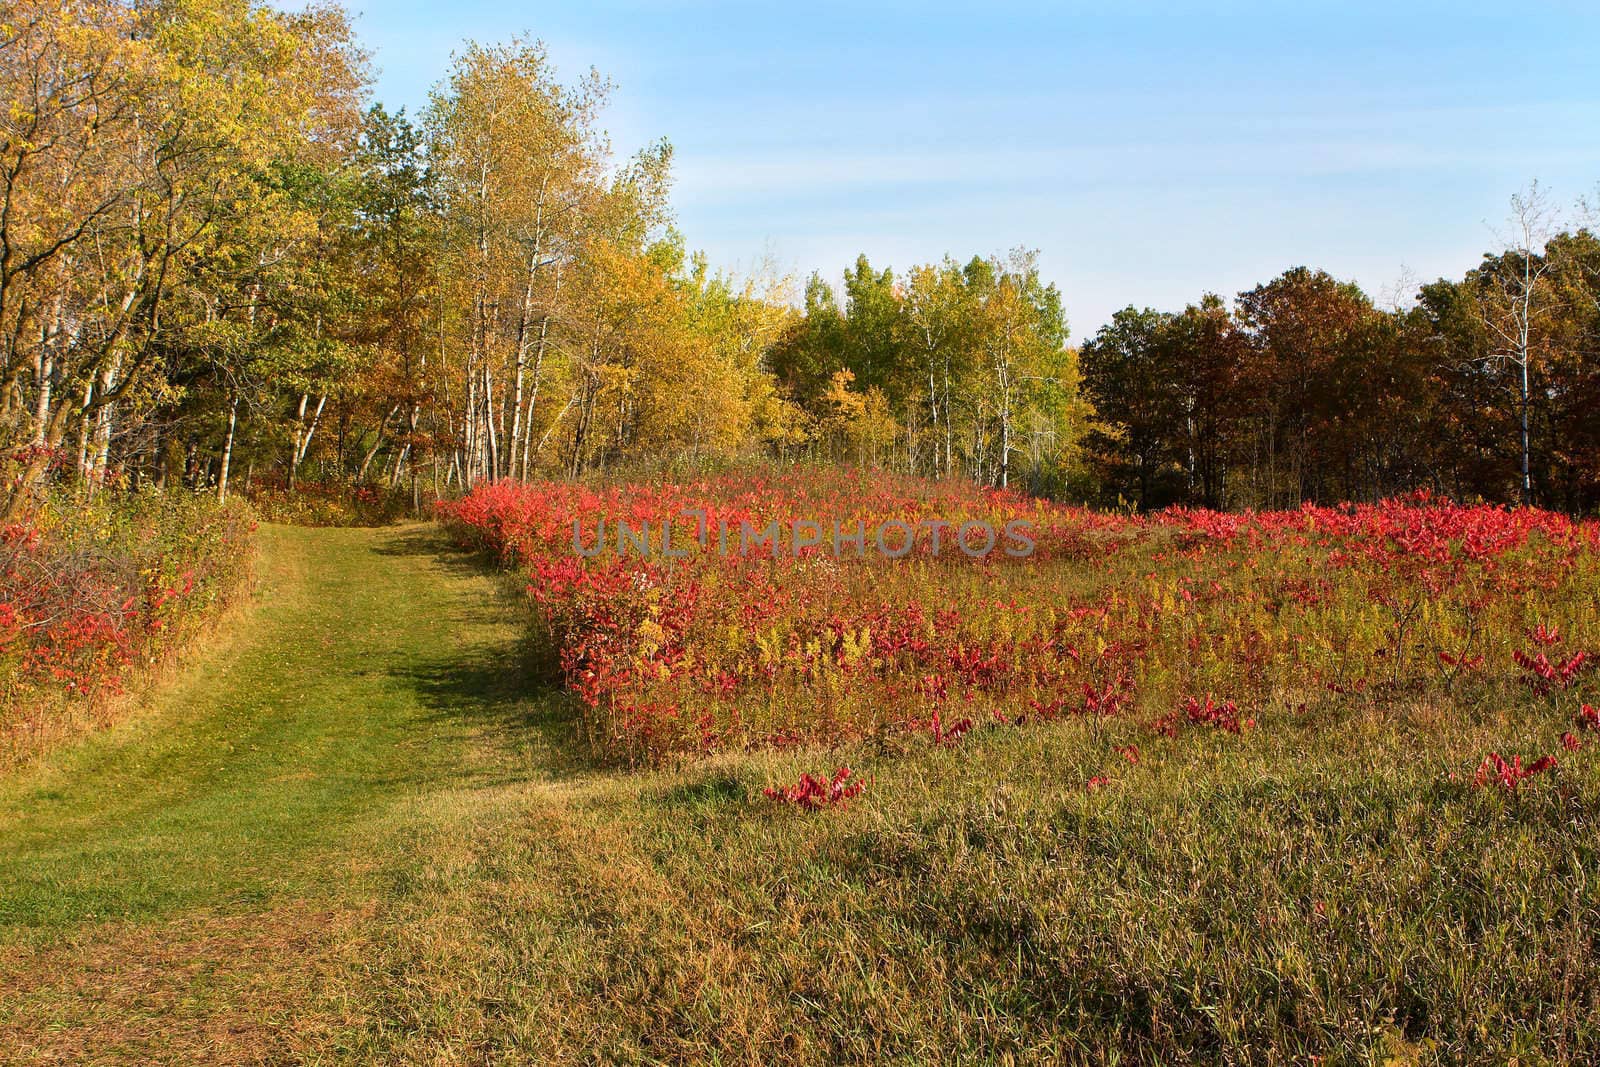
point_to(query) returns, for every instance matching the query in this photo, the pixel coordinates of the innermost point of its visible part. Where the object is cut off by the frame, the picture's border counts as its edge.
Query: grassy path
(206, 852)
(356, 832)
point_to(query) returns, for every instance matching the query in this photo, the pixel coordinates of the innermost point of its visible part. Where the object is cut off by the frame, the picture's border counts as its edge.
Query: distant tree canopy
(219, 261)
(950, 370)
(1307, 392)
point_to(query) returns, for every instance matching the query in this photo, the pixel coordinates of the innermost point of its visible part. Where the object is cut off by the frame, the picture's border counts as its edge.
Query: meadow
(836, 608)
(1173, 788)
(1184, 787)
(457, 608)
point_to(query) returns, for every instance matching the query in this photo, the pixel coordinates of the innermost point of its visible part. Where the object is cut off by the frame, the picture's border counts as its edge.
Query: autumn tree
(132, 153)
(935, 324)
(1206, 352)
(1128, 379)
(518, 163)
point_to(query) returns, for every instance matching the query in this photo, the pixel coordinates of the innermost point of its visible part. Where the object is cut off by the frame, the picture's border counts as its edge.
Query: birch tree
(1512, 304)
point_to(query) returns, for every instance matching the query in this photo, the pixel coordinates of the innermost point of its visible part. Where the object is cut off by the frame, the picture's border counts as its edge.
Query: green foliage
(970, 363)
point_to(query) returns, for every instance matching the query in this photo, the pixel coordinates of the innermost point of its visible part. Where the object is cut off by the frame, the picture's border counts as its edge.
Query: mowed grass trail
(201, 857)
(359, 831)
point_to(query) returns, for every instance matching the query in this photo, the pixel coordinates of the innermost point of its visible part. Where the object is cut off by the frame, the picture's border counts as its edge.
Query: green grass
(358, 832)
(253, 773)
(268, 787)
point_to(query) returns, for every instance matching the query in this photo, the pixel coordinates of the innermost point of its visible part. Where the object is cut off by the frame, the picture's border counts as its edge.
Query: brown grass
(258, 988)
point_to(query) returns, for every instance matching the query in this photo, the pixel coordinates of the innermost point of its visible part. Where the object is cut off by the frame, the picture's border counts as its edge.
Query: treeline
(1488, 388)
(1302, 390)
(218, 263)
(950, 370)
(221, 264)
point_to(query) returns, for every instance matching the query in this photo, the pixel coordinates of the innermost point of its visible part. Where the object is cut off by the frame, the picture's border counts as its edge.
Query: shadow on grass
(711, 791)
(505, 688)
(430, 541)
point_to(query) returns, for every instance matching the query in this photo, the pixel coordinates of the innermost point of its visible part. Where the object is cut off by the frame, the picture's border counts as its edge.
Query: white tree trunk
(227, 450)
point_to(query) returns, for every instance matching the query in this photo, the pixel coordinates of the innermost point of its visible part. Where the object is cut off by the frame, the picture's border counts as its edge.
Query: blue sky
(1150, 152)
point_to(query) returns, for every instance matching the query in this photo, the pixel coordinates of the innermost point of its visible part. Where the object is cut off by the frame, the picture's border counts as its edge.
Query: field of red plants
(90, 592)
(1182, 620)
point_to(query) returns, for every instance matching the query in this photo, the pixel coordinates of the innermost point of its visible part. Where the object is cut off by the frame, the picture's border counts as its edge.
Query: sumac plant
(90, 592)
(669, 656)
(813, 791)
(1509, 774)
